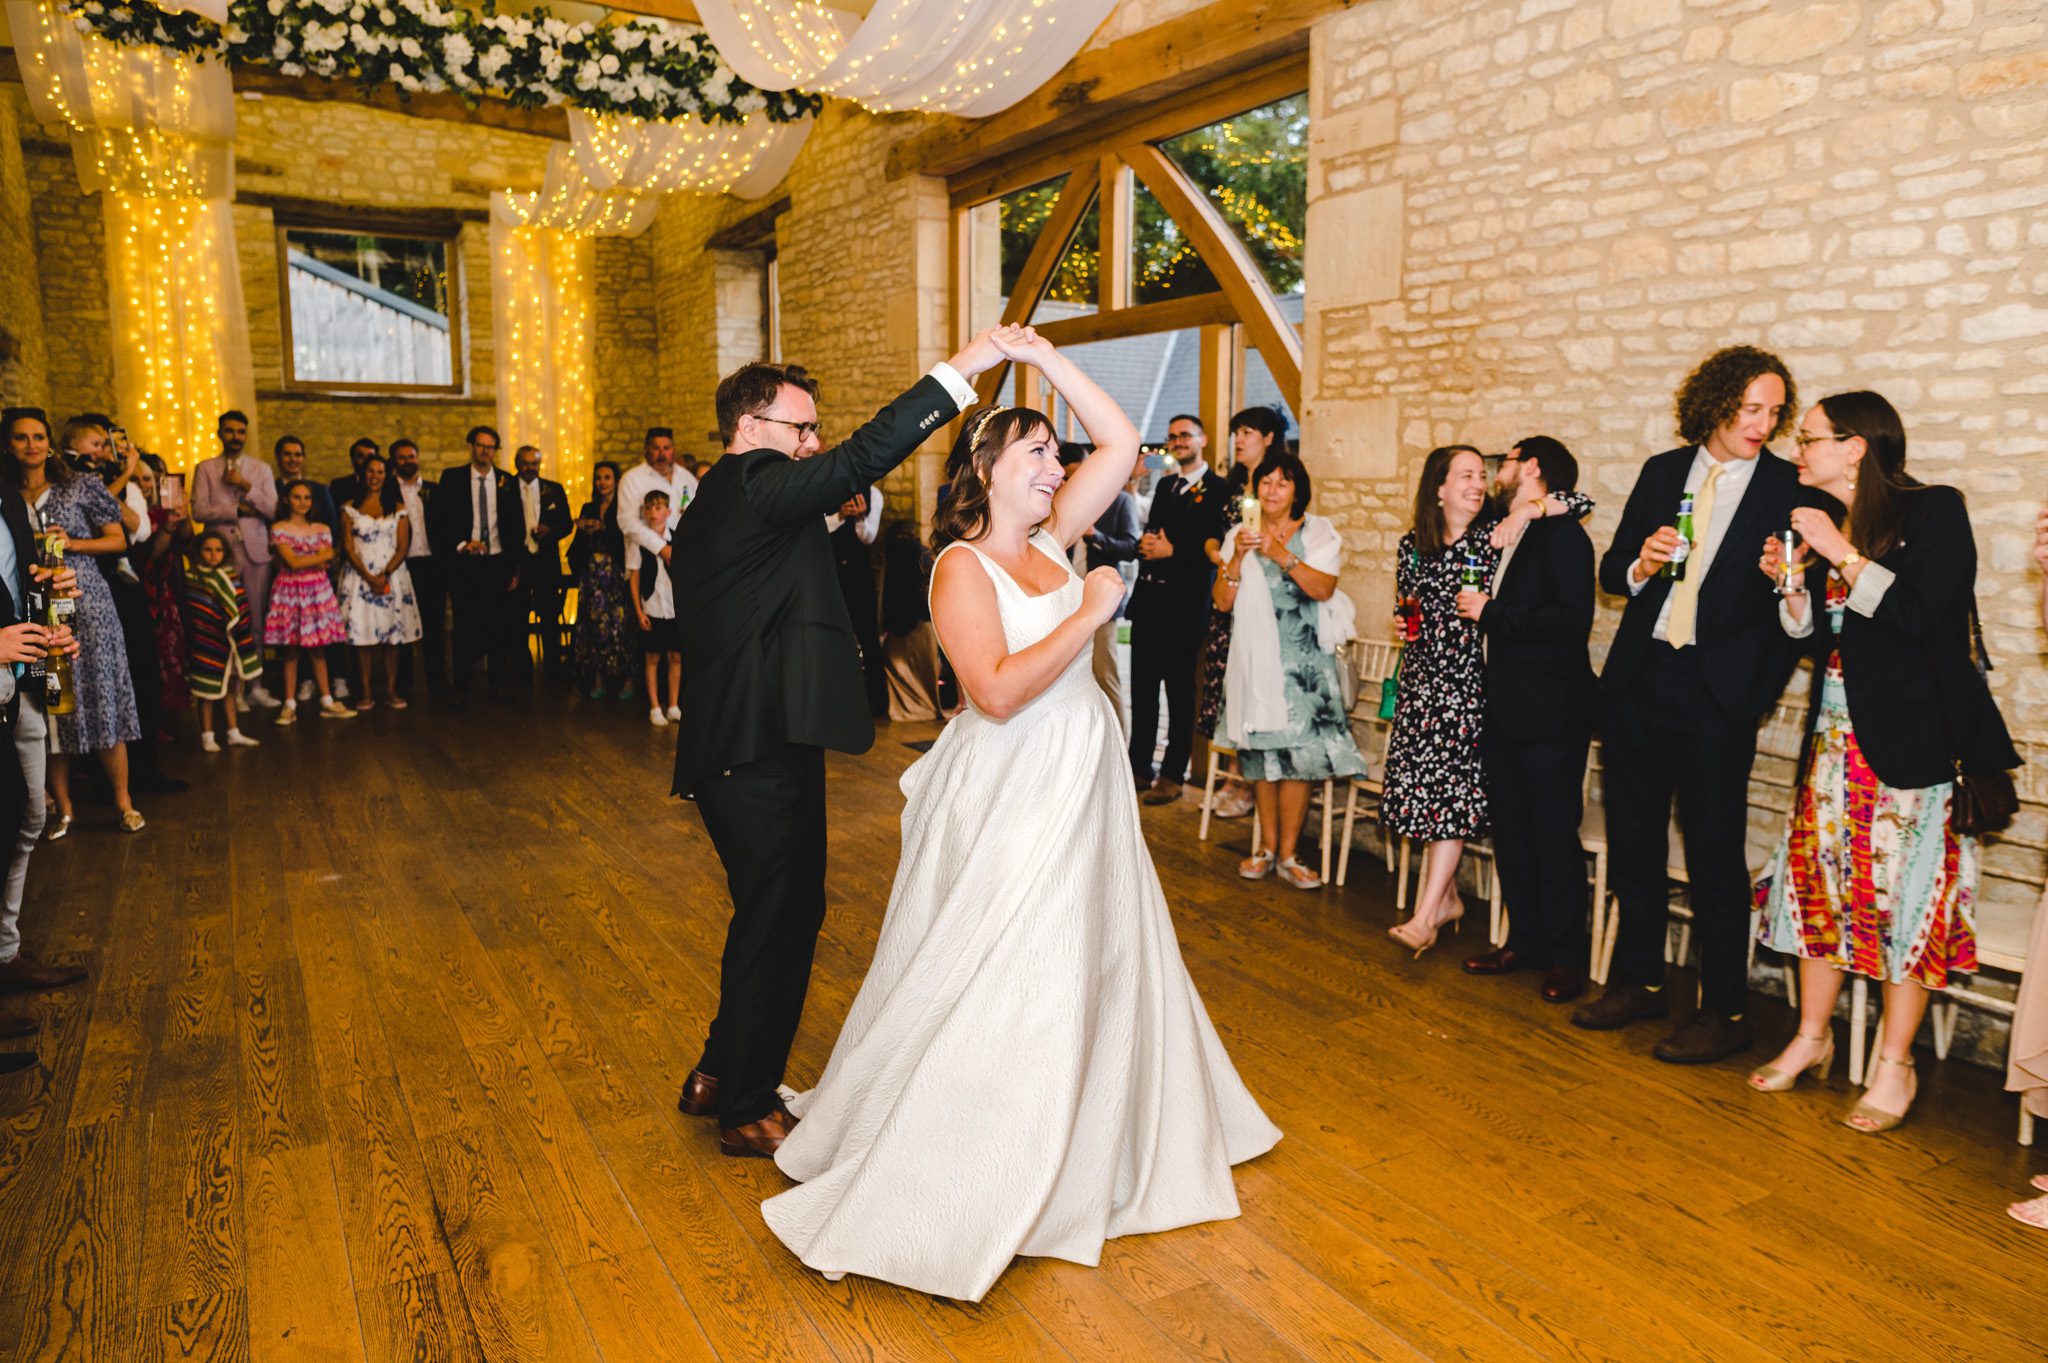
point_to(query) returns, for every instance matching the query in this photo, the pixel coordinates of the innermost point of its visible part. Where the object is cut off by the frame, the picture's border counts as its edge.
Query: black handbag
(1982, 801)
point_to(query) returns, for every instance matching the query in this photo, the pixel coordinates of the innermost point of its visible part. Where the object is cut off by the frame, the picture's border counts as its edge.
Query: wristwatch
(1849, 560)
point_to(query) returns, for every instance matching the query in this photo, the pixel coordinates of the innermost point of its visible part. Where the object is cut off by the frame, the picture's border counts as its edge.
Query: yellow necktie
(1685, 597)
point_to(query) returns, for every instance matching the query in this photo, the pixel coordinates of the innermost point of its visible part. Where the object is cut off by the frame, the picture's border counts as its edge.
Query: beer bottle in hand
(1675, 568)
(60, 691)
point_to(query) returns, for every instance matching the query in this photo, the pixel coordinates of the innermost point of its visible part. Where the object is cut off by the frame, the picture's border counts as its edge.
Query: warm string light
(543, 277)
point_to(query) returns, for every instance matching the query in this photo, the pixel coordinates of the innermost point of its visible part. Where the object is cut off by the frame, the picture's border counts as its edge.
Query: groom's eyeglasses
(802, 428)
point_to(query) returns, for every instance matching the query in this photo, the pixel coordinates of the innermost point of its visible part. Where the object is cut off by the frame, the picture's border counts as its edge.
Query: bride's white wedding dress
(1027, 1068)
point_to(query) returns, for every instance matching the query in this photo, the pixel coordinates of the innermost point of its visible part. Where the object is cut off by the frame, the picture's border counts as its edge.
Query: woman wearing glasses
(1872, 876)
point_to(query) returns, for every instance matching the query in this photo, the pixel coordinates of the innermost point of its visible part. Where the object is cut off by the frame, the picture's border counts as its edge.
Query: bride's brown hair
(986, 435)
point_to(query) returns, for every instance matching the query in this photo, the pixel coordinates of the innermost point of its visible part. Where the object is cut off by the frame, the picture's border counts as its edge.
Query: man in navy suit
(478, 529)
(1697, 662)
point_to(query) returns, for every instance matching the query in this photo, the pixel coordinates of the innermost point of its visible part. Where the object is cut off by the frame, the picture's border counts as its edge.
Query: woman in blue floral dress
(1283, 709)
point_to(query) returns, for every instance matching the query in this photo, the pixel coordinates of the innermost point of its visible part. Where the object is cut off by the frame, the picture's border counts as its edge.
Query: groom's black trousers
(767, 820)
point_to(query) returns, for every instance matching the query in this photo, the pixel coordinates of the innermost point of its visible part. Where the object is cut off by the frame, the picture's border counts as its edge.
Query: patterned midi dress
(1868, 877)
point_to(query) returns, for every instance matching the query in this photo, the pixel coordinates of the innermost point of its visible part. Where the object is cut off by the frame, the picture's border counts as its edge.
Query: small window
(369, 311)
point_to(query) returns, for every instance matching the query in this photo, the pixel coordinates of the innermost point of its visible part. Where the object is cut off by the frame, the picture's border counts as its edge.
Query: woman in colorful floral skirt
(1872, 876)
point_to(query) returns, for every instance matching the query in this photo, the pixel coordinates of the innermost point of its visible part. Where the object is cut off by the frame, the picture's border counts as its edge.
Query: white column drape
(153, 133)
(542, 297)
(967, 57)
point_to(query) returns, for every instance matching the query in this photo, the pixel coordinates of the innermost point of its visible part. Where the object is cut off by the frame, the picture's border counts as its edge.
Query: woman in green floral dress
(1283, 709)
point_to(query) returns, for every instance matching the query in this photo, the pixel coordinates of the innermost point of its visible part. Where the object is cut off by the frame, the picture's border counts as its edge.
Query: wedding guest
(1254, 433)
(1283, 707)
(604, 645)
(1535, 615)
(1435, 785)
(657, 469)
(1169, 608)
(1872, 876)
(649, 588)
(348, 489)
(24, 644)
(104, 721)
(378, 610)
(910, 647)
(2026, 1066)
(1111, 542)
(305, 619)
(544, 509)
(289, 453)
(413, 494)
(1696, 663)
(92, 449)
(220, 637)
(853, 528)
(160, 558)
(476, 519)
(236, 495)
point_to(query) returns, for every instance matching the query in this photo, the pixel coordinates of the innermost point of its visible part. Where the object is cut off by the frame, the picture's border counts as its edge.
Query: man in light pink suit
(236, 495)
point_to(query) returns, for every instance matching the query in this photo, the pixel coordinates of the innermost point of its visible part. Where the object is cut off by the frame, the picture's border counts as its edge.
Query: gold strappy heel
(1873, 1121)
(1771, 1079)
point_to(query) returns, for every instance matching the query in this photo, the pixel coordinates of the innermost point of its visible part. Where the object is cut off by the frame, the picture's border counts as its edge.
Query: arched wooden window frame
(1242, 310)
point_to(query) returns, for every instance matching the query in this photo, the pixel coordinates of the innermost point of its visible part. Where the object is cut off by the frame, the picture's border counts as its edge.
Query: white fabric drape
(968, 57)
(541, 303)
(153, 132)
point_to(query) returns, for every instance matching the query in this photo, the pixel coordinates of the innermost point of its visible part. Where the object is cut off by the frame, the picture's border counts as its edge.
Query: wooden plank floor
(386, 1023)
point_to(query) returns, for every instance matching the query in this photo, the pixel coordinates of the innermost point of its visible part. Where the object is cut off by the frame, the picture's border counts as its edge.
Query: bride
(1027, 1068)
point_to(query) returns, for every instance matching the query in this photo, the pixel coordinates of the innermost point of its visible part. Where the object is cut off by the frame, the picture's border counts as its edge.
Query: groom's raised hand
(983, 353)
(1023, 345)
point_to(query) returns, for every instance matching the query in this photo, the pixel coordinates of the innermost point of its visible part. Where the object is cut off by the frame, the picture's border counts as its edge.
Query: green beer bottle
(1675, 569)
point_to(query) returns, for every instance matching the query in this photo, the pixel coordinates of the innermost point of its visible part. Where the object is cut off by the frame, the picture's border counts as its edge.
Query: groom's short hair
(751, 390)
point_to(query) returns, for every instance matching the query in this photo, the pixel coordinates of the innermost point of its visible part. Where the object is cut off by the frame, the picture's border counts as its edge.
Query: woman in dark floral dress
(162, 562)
(605, 648)
(1255, 433)
(1434, 789)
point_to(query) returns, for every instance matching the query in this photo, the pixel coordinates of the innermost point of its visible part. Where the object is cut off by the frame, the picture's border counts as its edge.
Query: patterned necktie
(1685, 597)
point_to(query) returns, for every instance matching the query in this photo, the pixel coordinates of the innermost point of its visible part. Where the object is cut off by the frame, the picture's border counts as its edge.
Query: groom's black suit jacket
(770, 649)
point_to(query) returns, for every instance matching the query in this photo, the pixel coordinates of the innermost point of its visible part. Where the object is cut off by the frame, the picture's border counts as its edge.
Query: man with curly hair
(1696, 663)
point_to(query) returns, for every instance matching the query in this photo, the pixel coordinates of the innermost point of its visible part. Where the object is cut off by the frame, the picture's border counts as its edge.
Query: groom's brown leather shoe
(700, 1096)
(757, 1140)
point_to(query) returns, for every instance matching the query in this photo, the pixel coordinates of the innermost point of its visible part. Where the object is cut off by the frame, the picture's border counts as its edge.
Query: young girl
(304, 615)
(654, 604)
(220, 638)
(376, 587)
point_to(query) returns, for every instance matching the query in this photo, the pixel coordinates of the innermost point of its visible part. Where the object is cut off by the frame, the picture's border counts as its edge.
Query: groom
(775, 679)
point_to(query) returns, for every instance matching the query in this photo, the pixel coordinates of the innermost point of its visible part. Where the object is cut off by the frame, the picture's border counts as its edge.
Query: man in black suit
(1169, 607)
(775, 679)
(1112, 540)
(416, 495)
(1695, 665)
(478, 531)
(1541, 704)
(349, 486)
(544, 512)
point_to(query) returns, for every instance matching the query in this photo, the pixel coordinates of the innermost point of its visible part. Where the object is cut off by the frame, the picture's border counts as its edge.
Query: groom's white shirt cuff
(960, 390)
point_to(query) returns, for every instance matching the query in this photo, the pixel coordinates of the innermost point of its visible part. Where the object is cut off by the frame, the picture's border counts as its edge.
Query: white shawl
(1254, 690)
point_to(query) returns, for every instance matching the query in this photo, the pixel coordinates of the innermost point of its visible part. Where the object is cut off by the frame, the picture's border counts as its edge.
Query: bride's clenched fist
(1101, 593)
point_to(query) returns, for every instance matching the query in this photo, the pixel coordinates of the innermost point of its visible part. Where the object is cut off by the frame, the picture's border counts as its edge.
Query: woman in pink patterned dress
(305, 617)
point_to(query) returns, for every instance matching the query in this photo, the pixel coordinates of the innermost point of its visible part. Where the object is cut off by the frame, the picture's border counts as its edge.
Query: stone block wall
(24, 358)
(625, 339)
(1537, 215)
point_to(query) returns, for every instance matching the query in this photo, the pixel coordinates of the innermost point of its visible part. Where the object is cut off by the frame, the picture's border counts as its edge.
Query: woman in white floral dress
(376, 589)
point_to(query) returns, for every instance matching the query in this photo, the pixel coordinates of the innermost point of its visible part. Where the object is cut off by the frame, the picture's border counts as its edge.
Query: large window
(1165, 255)
(369, 311)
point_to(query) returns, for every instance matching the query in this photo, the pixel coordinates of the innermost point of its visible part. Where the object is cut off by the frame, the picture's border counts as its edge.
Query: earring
(1851, 476)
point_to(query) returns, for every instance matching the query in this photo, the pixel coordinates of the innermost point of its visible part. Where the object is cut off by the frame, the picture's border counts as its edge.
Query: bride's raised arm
(1092, 486)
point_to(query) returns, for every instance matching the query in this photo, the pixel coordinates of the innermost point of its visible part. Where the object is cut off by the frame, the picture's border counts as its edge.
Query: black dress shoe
(1703, 1039)
(10, 1061)
(1563, 984)
(1503, 961)
(14, 1025)
(1621, 1005)
(25, 974)
(501, 695)
(457, 700)
(700, 1096)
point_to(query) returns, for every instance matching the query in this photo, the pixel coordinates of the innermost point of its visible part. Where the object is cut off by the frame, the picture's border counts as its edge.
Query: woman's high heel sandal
(1771, 1079)
(1408, 935)
(1874, 1121)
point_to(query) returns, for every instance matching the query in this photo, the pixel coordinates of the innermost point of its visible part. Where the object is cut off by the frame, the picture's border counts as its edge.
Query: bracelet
(1231, 578)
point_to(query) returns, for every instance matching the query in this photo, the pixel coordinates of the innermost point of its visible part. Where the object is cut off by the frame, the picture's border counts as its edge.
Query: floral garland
(645, 68)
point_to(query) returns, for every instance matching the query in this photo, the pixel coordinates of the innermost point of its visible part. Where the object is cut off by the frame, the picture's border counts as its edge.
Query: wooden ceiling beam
(1197, 49)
